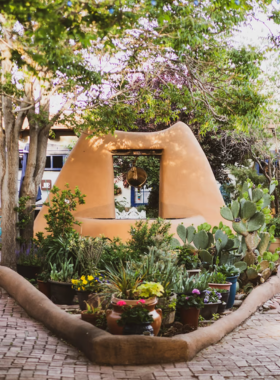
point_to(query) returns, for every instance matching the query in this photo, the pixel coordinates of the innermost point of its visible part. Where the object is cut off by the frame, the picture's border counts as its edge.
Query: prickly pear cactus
(249, 216)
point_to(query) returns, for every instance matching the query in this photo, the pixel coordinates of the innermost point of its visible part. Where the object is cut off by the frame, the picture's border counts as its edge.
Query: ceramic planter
(115, 314)
(90, 318)
(189, 316)
(168, 317)
(132, 329)
(82, 297)
(209, 309)
(222, 307)
(28, 271)
(220, 286)
(62, 292)
(44, 288)
(193, 272)
(233, 280)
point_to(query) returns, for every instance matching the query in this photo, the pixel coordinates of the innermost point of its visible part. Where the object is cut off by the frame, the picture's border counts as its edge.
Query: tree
(58, 47)
(44, 52)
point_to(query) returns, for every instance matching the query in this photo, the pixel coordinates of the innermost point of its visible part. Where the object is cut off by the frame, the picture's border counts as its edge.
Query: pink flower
(195, 291)
(141, 301)
(121, 303)
(187, 298)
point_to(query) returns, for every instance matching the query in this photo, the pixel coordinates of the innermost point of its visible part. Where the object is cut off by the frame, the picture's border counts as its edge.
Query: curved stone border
(200, 339)
(104, 348)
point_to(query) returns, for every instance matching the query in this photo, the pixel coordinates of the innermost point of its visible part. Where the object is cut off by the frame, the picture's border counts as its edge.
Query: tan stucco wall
(188, 188)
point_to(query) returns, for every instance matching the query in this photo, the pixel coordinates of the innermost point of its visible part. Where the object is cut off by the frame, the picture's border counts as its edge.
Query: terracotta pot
(115, 314)
(273, 246)
(189, 316)
(193, 272)
(209, 309)
(168, 317)
(90, 318)
(220, 286)
(44, 288)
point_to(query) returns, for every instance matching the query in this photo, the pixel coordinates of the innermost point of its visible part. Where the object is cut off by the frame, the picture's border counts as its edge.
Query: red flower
(121, 303)
(141, 301)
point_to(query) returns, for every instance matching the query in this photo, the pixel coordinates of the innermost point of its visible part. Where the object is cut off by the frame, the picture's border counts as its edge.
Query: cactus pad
(256, 222)
(174, 243)
(200, 240)
(241, 265)
(257, 194)
(265, 238)
(182, 233)
(252, 274)
(190, 233)
(240, 228)
(205, 256)
(248, 209)
(235, 208)
(226, 213)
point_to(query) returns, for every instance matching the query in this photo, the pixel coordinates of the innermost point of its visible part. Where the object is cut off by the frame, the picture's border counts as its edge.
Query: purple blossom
(207, 291)
(205, 300)
(195, 291)
(219, 295)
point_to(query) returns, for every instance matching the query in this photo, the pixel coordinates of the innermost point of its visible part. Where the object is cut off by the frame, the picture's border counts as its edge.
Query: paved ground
(29, 351)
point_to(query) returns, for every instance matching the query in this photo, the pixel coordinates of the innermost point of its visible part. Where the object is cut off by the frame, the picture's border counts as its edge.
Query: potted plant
(86, 285)
(232, 273)
(189, 308)
(217, 280)
(224, 299)
(136, 320)
(28, 261)
(186, 285)
(189, 258)
(60, 284)
(93, 315)
(43, 284)
(212, 300)
(125, 285)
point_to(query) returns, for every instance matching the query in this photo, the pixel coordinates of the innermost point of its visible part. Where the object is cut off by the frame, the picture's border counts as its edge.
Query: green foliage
(188, 302)
(217, 278)
(149, 289)
(142, 235)
(88, 252)
(122, 281)
(188, 258)
(275, 222)
(135, 315)
(29, 254)
(115, 252)
(228, 270)
(59, 218)
(65, 274)
(187, 284)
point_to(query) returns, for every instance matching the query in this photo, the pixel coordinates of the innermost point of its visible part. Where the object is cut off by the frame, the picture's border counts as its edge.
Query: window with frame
(55, 162)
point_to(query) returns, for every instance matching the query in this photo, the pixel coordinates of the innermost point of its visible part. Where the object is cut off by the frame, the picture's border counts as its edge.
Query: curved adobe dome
(188, 189)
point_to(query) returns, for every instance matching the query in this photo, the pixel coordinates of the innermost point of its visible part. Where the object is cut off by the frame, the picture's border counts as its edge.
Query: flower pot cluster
(141, 286)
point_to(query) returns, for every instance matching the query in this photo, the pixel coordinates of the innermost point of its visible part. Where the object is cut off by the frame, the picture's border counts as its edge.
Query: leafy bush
(142, 236)
(228, 270)
(29, 254)
(59, 218)
(135, 315)
(275, 222)
(217, 278)
(114, 252)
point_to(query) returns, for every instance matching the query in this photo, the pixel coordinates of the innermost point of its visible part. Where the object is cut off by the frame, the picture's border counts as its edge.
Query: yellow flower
(83, 278)
(79, 289)
(83, 288)
(90, 278)
(85, 282)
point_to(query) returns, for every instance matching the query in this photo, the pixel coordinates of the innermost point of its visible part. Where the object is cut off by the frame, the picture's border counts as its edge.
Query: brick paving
(29, 351)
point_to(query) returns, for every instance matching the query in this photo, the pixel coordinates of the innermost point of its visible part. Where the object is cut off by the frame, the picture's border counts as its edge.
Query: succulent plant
(249, 216)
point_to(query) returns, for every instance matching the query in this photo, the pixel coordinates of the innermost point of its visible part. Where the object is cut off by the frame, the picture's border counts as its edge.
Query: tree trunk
(9, 196)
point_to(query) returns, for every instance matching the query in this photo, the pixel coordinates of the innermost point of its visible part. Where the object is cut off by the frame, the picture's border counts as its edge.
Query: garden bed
(104, 348)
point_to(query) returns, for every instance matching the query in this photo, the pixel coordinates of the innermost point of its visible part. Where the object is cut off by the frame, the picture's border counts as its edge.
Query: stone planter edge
(106, 349)
(200, 339)
(99, 346)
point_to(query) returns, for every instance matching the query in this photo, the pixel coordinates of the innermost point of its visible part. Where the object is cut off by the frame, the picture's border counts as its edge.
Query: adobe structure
(188, 189)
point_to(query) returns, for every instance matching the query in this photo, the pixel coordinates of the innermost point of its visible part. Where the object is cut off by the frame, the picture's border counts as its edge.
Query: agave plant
(122, 281)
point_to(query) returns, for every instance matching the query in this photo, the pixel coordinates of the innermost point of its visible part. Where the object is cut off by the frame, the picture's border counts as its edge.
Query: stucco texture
(188, 189)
